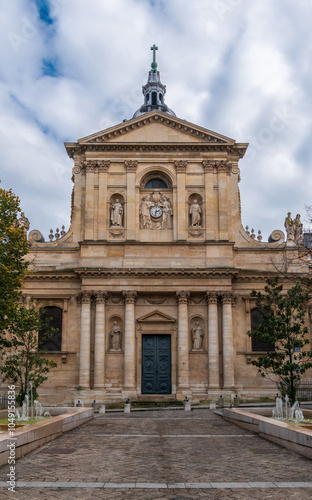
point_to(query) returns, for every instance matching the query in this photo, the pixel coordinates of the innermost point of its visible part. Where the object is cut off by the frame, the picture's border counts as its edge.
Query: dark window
(51, 341)
(160, 98)
(156, 184)
(147, 98)
(257, 345)
(154, 98)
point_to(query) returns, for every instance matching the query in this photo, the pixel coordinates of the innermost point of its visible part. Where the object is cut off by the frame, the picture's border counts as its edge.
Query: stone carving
(197, 336)
(297, 229)
(195, 213)
(115, 337)
(116, 213)
(156, 211)
(23, 222)
(293, 229)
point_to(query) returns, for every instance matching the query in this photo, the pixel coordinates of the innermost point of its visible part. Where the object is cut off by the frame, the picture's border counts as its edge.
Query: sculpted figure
(116, 213)
(195, 212)
(197, 336)
(23, 222)
(167, 212)
(297, 224)
(145, 216)
(115, 337)
(289, 226)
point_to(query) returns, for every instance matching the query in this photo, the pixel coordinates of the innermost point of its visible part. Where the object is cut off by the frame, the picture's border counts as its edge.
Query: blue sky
(242, 68)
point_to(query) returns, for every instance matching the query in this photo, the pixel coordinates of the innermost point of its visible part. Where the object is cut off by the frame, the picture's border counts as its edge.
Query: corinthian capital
(183, 296)
(131, 165)
(228, 298)
(100, 296)
(212, 297)
(85, 297)
(180, 165)
(129, 296)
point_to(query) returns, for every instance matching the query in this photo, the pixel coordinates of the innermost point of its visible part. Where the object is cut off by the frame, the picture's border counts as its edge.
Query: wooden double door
(156, 364)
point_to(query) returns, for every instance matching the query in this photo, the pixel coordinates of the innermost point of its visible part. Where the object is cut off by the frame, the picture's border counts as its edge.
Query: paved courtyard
(164, 454)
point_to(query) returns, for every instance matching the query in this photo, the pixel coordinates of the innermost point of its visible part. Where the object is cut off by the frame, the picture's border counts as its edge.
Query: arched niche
(195, 210)
(116, 210)
(197, 333)
(115, 334)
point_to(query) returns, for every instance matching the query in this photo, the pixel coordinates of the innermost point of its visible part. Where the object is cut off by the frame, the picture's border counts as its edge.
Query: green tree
(283, 326)
(13, 249)
(24, 361)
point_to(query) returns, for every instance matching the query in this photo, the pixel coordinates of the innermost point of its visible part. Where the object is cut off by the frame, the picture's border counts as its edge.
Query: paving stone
(136, 457)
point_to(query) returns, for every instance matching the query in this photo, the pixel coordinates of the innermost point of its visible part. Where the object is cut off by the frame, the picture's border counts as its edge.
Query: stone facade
(156, 250)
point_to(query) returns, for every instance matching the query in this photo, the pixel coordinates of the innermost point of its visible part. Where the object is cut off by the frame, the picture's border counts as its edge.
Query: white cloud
(240, 68)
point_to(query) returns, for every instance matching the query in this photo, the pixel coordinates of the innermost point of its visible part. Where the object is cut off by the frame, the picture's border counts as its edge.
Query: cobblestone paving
(161, 454)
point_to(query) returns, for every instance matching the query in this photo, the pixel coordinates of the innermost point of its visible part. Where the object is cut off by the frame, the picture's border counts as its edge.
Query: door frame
(157, 336)
(154, 331)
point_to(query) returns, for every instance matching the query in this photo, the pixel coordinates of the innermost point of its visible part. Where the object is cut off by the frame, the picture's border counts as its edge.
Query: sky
(242, 68)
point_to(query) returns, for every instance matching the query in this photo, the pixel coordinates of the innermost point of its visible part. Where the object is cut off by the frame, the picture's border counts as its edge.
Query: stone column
(129, 345)
(131, 167)
(213, 341)
(99, 341)
(228, 347)
(181, 195)
(85, 340)
(183, 342)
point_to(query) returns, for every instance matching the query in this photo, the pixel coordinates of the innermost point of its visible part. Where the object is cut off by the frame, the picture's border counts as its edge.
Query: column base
(129, 393)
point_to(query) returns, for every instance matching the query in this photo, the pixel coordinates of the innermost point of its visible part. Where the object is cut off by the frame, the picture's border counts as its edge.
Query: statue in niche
(197, 336)
(145, 216)
(115, 337)
(195, 213)
(116, 213)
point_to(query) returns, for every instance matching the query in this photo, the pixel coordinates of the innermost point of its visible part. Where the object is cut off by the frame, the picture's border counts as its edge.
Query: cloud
(69, 68)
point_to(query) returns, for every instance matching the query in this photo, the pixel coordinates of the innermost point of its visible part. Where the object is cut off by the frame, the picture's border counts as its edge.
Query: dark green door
(156, 364)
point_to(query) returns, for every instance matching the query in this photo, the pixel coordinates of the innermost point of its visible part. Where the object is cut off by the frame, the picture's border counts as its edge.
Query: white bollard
(102, 409)
(212, 405)
(127, 408)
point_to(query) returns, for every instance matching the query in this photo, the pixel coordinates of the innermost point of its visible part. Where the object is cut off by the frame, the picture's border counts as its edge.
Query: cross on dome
(154, 91)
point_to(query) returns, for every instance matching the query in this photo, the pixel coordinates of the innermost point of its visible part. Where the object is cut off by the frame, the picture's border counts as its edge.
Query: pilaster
(228, 299)
(183, 343)
(85, 340)
(99, 340)
(213, 341)
(181, 167)
(131, 167)
(129, 345)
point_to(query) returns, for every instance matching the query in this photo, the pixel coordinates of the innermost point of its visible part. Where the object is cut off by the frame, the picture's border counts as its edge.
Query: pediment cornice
(156, 317)
(195, 138)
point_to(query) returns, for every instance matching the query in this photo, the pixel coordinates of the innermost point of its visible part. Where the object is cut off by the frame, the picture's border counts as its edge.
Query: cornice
(34, 276)
(237, 150)
(143, 273)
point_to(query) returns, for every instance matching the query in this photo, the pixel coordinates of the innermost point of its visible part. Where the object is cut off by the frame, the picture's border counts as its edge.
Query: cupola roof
(154, 91)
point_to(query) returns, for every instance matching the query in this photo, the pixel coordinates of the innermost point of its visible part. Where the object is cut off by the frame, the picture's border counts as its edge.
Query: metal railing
(304, 391)
(3, 401)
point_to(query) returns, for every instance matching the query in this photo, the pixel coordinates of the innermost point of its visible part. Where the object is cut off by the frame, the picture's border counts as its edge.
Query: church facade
(150, 287)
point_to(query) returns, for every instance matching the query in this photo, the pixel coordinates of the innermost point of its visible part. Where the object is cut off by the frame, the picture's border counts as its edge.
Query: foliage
(24, 362)
(283, 326)
(13, 249)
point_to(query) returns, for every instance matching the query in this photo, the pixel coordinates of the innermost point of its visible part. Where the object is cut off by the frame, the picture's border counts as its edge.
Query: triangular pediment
(156, 127)
(156, 317)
